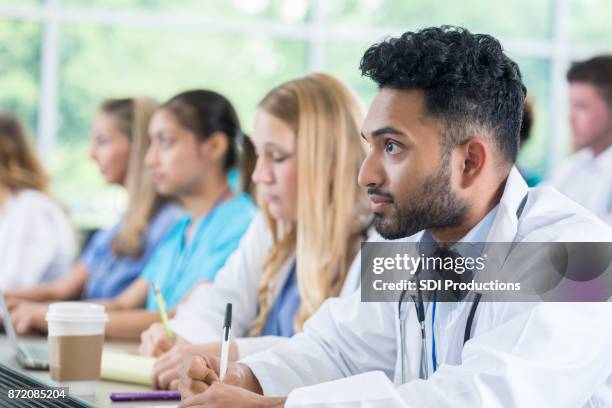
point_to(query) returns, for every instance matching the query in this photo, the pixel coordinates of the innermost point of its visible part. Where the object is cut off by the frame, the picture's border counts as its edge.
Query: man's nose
(371, 173)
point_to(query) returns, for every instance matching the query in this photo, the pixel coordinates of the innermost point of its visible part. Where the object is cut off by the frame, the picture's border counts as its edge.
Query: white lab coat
(588, 181)
(519, 355)
(37, 241)
(199, 319)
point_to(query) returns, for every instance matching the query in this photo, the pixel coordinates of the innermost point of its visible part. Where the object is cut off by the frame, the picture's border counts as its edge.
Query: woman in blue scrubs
(195, 141)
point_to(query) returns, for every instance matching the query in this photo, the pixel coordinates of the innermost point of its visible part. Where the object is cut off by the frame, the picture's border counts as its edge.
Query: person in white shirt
(37, 241)
(586, 177)
(443, 134)
(306, 134)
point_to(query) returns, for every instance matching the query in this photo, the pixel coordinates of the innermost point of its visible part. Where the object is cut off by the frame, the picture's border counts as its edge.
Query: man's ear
(215, 147)
(474, 156)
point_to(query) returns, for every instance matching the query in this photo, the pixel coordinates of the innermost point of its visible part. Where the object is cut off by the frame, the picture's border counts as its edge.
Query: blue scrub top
(282, 314)
(177, 266)
(109, 275)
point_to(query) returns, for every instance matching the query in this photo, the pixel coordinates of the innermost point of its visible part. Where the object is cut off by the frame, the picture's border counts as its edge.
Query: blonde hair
(19, 166)
(332, 211)
(132, 116)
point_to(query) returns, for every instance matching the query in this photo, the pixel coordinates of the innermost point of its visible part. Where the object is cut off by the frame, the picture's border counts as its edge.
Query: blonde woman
(115, 257)
(37, 242)
(303, 248)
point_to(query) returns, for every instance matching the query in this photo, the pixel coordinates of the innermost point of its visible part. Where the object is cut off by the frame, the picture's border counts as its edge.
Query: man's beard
(434, 205)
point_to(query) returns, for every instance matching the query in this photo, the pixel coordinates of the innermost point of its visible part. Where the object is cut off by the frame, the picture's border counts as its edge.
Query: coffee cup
(76, 337)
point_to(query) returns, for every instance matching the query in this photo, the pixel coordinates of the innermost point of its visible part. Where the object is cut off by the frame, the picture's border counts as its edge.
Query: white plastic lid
(76, 312)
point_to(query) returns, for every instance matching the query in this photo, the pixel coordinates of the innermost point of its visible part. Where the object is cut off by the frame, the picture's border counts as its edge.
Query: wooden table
(103, 388)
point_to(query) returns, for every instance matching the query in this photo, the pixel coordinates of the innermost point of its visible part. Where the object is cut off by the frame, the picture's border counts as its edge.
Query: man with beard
(443, 134)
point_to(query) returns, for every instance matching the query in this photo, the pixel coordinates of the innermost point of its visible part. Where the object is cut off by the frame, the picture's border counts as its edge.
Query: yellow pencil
(162, 311)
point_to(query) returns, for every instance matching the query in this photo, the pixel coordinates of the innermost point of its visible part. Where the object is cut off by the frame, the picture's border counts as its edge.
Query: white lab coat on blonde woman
(199, 319)
(519, 355)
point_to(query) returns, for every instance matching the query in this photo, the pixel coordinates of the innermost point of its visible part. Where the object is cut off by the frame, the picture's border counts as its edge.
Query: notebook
(125, 367)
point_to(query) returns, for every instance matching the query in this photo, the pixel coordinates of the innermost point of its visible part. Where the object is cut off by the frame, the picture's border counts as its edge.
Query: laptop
(32, 356)
(11, 379)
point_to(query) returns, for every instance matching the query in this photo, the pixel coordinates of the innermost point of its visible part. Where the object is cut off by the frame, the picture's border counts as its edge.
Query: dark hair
(466, 78)
(206, 112)
(596, 71)
(527, 122)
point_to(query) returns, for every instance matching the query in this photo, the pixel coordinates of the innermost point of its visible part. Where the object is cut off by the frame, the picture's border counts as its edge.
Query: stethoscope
(419, 305)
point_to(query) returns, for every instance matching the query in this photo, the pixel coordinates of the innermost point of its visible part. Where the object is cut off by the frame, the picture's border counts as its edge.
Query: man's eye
(392, 148)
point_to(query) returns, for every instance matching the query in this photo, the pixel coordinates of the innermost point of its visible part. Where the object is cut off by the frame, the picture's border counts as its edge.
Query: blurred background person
(113, 257)
(586, 177)
(37, 241)
(531, 177)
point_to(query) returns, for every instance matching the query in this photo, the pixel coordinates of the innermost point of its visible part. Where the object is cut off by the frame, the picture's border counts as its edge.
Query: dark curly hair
(467, 80)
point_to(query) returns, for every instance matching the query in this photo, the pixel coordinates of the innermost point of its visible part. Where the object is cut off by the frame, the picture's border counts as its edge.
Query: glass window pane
(19, 72)
(590, 22)
(20, 2)
(278, 10)
(517, 18)
(100, 62)
(342, 60)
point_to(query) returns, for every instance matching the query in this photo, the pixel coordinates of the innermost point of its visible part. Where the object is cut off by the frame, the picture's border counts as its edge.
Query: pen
(227, 329)
(162, 311)
(146, 396)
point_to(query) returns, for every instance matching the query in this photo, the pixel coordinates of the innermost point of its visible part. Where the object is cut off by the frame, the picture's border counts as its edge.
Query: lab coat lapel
(506, 224)
(412, 346)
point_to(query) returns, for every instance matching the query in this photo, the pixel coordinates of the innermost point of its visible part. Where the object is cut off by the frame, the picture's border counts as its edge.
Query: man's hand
(200, 386)
(203, 371)
(29, 317)
(197, 375)
(154, 341)
(221, 395)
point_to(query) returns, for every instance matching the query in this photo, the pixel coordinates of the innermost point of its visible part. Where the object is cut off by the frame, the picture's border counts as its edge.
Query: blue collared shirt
(109, 274)
(472, 245)
(477, 235)
(282, 314)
